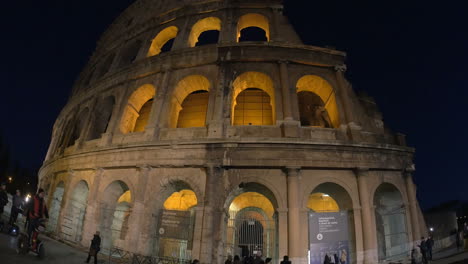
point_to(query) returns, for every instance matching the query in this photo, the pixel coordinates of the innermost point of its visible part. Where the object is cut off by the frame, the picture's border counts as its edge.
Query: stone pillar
(106, 138)
(413, 207)
(282, 232)
(211, 237)
(216, 124)
(138, 235)
(91, 220)
(153, 126)
(294, 221)
(290, 127)
(368, 226)
(197, 232)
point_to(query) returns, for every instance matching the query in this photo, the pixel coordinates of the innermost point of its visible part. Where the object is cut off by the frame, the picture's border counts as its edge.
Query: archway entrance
(390, 220)
(72, 222)
(175, 222)
(55, 206)
(115, 212)
(331, 224)
(252, 224)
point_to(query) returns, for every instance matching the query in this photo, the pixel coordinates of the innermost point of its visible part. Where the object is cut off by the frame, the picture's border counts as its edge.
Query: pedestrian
(37, 212)
(3, 198)
(285, 260)
(237, 259)
(457, 239)
(94, 248)
(332, 259)
(258, 259)
(195, 261)
(337, 260)
(429, 245)
(268, 260)
(423, 248)
(17, 203)
(343, 257)
(327, 259)
(228, 260)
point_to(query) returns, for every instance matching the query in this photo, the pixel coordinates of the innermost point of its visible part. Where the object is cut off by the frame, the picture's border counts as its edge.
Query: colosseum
(202, 129)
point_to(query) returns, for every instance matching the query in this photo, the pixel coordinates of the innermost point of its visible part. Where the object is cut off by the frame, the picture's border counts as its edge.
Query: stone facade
(111, 165)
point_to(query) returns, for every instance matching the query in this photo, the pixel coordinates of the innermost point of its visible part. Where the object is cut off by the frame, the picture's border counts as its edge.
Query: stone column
(106, 138)
(197, 232)
(294, 221)
(290, 126)
(216, 124)
(282, 232)
(212, 216)
(154, 121)
(138, 235)
(91, 220)
(368, 227)
(413, 207)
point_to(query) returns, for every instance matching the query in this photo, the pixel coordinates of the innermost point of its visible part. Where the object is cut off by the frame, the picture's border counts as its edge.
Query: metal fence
(120, 256)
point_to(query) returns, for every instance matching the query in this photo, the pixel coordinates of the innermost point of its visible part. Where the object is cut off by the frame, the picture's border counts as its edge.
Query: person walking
(228, 260)
(15, 207)
(343, 257)
(327, 259)
(285, 260)
(237, 259)
(429, 245)
(268, 261)
(423, 248)
(94, 248)
(3, 198)
(258, 259)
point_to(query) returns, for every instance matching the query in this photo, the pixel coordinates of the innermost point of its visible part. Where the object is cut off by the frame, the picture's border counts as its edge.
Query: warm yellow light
(320, 87)
(125, 197)
(193, 112)
(181, 201)
(10, 179)
(253, 20)
(135, 103)
(252, 199)
(254, 80)
(164, 36)
(321, 202)
(209, 23)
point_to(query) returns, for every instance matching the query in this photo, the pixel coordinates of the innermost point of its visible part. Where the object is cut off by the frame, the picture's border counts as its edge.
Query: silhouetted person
(268, 260)
(195, 261)
(236, 260)
(94, 248)
(285, 260)
(228, 260)
(15, 207)
(327, 259)
(429, 245)
(423, 248)
(3, 198)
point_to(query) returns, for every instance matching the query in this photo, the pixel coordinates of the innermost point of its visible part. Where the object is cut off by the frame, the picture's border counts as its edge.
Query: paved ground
(55, 253)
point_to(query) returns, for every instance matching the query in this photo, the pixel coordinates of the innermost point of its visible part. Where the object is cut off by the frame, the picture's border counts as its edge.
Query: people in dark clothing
(3, 198)
(15, 207)
(228, 260)
(429, 245)
(268, 260)
(258, 259)
(95, 248)
(195, 261)
(327, 259)
(285, 260)
(37, 212)
(337, 260)
(237, 259)
(423, 248)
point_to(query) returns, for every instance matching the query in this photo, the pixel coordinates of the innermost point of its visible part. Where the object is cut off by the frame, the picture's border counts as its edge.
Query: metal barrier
(120, 256)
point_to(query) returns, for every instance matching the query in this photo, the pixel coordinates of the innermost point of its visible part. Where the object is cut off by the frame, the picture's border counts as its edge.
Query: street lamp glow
(431, 229)
(27, 197)
(10, 179)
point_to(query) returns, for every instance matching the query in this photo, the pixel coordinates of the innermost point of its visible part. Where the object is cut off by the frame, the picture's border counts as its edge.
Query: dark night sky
(411, 56)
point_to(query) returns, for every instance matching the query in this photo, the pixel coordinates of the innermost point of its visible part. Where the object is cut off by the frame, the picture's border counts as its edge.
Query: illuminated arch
(253, 80)
(162, 38)
(184, 88)
(132, 118)
(320, 87)
(181, 200)
(202, 25)
(322, 202)
(253, 20)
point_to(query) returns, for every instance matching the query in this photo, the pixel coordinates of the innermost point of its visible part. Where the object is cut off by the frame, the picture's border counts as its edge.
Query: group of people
(424, 254)
(249, 260)
(334, 259)
(17, 203)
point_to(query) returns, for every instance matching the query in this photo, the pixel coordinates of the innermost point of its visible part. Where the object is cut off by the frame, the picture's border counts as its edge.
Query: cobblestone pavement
(56, 252)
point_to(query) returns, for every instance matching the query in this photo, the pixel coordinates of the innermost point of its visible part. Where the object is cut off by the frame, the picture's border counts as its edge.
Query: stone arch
(390, 222)
(161, 39)
(78, 127)
(133, 118)
(203, 25)
(115, 207)
(345, 203)
(103, 114)
(104, 67)
(184, 88)
(255, 80)
(75, 213)
(320, 87)
(253, 20)
(130, 53)
(56, 206)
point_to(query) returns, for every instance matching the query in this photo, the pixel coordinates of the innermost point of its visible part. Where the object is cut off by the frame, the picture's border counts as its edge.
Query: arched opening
(105, 66)
(390, 220)
(115, 211)
(331, 224)
(187, 109)
(166, 36)
(102, 117)
(176, 219)
(78, 127)
(317, 102)
(312, 110)
(138, 110)
(55, 206)
(130, 53)
(72, 223)
(252, 223)
(209, 25)
(253, 100)
(193, 112)
(253, 27)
